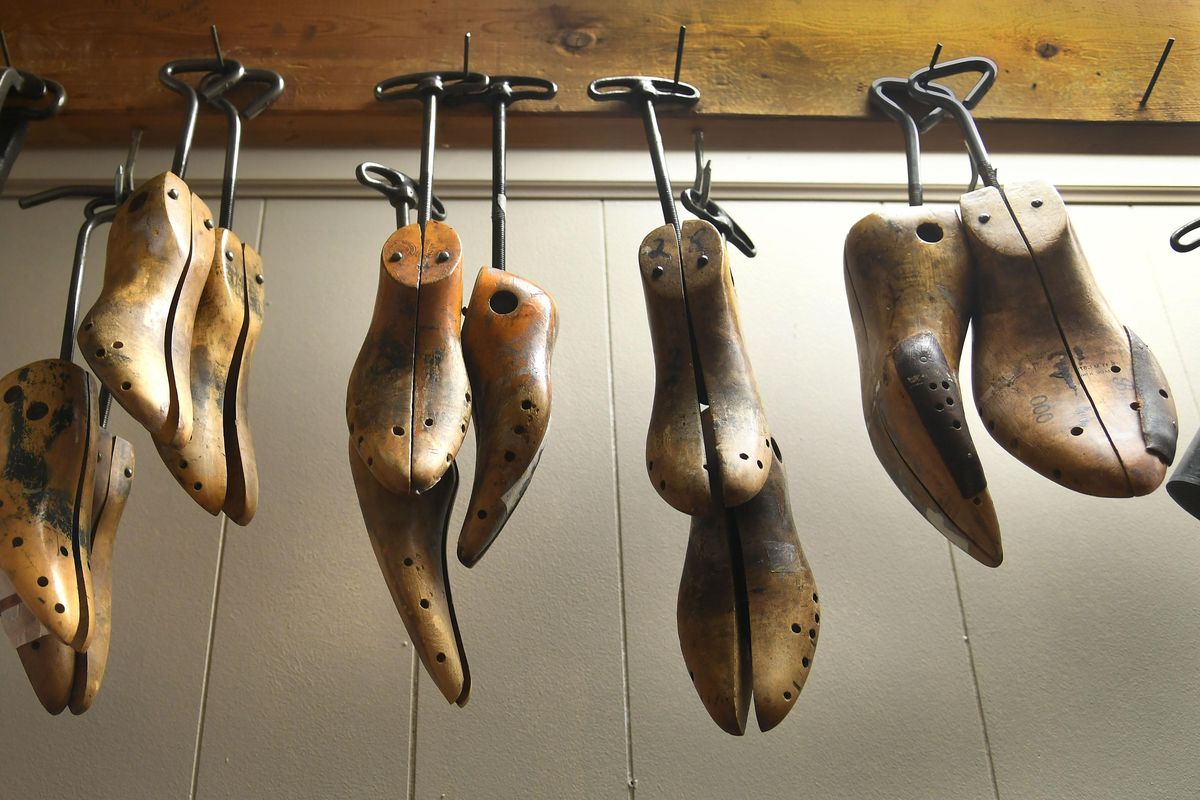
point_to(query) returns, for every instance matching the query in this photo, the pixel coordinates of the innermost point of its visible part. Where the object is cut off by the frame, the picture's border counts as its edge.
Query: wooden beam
(767, 65)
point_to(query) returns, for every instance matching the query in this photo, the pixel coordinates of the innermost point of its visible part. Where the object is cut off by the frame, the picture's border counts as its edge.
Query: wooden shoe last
(508, 342)
(1059, 382)
(408, 534)
(408, 400)
(693, 315)
(137, 337)
(48, 442)
(910, 289)
(748, 612)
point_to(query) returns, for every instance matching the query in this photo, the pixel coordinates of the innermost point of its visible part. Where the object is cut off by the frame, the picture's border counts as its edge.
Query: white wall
(269, 662)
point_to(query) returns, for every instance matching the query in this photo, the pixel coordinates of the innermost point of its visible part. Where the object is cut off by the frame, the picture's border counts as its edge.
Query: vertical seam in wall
(208, 651)
(413, 695)
(631, 781)
(216, 596)
(962, 611)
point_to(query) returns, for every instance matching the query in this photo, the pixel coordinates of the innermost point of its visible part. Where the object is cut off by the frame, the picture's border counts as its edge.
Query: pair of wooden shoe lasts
(62, 491)
(748, 613)
(1058, 381)
(411, 394)
(173, 278)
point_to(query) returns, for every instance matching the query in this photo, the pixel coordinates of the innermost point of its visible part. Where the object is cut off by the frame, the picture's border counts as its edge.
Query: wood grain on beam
(767, 61)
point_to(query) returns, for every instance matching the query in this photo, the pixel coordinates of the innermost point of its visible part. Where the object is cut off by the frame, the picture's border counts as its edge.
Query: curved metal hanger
(697, 201)
(109, 198)
(920, 88)
(1177, 243)
(643, 93)
(234, 118)
(428, 87)
(881, 97)
(501, 92)
(230, 72)
(399, 189)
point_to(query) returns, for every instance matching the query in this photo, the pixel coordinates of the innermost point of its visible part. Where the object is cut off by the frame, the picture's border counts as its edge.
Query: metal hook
(702, 170)
(230, 71)
(501, 92)
(428, 87)
(399, 189)
(1158, 69)
(697, 201)
(1177, 243)
(879, 97)
(920, 88)
(234, 118)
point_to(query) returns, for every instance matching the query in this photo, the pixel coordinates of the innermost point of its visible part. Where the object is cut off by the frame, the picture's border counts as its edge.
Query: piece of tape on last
(20, 625)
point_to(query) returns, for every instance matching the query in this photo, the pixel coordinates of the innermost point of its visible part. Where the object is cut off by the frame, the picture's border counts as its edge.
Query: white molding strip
(625, 174)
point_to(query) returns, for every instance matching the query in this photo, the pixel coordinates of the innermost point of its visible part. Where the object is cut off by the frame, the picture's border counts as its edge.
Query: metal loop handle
(399, 189)
(416, 85)
(913, 127)
(506, 89)
(628, 88)
(719, 218)
(920, 88)
(23, 84)
(230, 71)
(1180, 246)
(58, 99)
(210, 89)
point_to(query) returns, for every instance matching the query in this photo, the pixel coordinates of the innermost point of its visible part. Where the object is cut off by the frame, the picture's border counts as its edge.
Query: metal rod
(1158, 69)
(679, 51)
(4, 47)
(12, 137)
(499, 181)
(183, 145)
(233, 146)
(937, 51)
(75, 288)
(217, 45)
(105, 405)
(659, 160)
(428, 139)
(466, 52)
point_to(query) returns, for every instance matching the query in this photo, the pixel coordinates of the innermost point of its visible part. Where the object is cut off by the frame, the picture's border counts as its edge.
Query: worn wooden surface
(408, 401)
(909, 281)
(698, 348)
(48, 439)
(408, 534)
(508, 340)
(1061, 61)
(241, 499)
(115, 466)
(1053, 375)
(748, 612)
(137, 337)
(199, 464)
